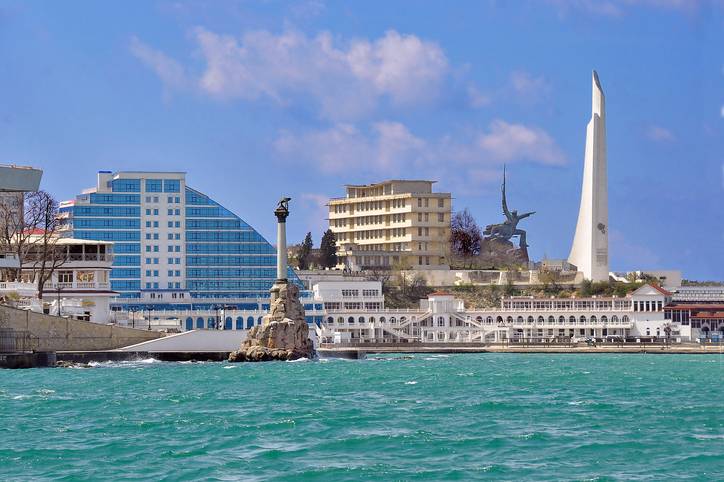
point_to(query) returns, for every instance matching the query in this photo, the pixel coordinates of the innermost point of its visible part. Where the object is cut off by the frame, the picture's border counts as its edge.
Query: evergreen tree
(305, 250)
(328, 250)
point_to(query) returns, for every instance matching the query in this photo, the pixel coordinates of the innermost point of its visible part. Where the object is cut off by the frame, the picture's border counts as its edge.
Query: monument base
(502, 253)
(283, 334)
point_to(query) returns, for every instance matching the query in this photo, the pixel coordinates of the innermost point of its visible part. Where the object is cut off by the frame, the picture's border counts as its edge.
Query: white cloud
(345, 79)
(170, 72)
(516, 142)
(614, 8)
(316, 213)
(476, 98)
(660, 134)
(523, 83)
(391, 149)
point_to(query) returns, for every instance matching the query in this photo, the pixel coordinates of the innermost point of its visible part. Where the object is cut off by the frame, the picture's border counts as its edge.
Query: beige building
(390, 223)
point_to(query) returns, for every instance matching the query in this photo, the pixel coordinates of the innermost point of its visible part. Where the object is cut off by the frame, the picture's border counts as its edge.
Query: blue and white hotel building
(175, 248)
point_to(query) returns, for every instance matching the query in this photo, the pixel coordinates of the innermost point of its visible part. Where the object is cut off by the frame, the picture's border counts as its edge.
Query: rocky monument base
(503, 253)
(283, 334)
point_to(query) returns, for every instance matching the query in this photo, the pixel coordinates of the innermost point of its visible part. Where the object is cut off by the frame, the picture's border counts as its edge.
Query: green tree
(305, 250)
(328, 250)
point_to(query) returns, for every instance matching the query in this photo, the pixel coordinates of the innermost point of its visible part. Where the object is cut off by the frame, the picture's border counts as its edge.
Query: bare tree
(29, 229)
(465, 236)
(45, 242)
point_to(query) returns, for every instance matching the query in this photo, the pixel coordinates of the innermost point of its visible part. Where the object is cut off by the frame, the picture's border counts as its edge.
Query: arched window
(189, 323)
(393, 320)
(239, 323)
(520, 320)
(499, 320)
(372, 319)
(199, 323)
(228, 323)
(340, 320)
(382, 319)
(259, 320)
(531, 320)
(594, 320)
(541, 320)
(509, 320)
(350, 319)
(582, 319)
(614, 320)
(211, 322)
(361, 319)
(249, 322)
(403, 319)
(330, 320)
(624, 319)
(572, 320)
(488, 320)
(561, 320)
(551, 320)
(604, 319)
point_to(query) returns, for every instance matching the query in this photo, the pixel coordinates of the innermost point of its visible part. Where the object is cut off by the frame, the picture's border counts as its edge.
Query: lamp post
(149, 308)
(133, 310)
(59, 289)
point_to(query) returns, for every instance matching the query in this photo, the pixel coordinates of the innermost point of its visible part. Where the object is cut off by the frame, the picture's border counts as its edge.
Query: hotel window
(148, 199)
(441, 203)
(177, 224)
(148, 224)
(148, 212)
(155, 224)
(155, 199)
(441, 217)
(65, 277)
(170, 212)
(419, 202)
(153, 185)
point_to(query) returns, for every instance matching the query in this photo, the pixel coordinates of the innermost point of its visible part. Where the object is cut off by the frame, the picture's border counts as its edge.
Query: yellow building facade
(400, 223)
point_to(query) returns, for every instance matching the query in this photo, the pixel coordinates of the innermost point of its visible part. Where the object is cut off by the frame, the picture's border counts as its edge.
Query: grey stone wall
(53, 333)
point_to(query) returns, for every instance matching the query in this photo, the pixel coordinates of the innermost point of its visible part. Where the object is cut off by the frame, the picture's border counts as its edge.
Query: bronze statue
(509, 227)
(283, 204)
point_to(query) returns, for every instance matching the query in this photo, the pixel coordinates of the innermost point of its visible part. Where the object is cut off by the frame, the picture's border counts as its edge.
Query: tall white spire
(589, 252)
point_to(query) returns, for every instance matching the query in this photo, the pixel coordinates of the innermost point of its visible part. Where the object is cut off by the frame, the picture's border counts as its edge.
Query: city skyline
(314, 92)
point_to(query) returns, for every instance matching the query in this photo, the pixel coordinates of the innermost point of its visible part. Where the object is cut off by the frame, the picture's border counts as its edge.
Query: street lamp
(149, 308)
(59, 289)
(133, 310)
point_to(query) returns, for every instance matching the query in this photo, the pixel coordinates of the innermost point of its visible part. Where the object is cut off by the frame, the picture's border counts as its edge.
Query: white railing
(79, 285)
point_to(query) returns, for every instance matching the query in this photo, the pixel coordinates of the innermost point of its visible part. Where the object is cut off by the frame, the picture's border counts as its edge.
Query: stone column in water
(283, 333)
(281, 212)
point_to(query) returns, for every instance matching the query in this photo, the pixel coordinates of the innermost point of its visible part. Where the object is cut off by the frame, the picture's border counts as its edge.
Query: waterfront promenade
(359, 350)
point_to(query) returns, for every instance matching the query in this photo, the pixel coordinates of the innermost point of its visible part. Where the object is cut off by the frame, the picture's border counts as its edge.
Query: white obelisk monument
(589, 252)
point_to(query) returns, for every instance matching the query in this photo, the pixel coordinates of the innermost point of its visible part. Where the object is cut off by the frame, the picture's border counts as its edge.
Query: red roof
(661, 290)
(696, 307)
(707, 316)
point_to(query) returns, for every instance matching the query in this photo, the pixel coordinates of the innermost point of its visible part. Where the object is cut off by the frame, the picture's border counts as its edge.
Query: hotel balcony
(78, 286)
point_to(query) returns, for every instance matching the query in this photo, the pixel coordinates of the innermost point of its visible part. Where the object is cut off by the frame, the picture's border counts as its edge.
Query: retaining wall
(53, 333)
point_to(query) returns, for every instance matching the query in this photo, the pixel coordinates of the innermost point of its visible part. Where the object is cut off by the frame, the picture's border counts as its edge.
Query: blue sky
(258, 99)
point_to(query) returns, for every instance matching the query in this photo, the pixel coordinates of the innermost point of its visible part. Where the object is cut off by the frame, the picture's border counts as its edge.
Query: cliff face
(283, 334)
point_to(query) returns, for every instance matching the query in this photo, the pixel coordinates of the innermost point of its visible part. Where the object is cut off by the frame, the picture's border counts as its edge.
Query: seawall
(54, 333)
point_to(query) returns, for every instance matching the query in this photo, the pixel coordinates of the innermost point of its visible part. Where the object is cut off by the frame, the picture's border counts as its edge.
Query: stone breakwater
(283, 334)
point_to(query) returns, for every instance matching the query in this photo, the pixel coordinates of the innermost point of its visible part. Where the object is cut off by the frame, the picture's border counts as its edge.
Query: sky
(255, 100)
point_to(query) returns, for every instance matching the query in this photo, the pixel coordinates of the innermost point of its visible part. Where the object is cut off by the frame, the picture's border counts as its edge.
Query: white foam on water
(411, 382)
(298, 360)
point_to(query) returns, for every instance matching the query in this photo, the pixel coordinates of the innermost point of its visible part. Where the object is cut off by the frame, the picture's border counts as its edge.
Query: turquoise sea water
(429, 417)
